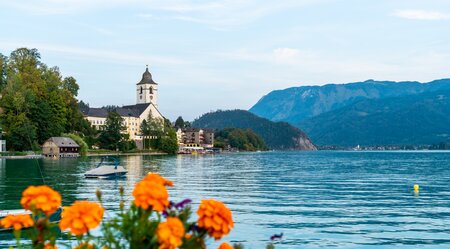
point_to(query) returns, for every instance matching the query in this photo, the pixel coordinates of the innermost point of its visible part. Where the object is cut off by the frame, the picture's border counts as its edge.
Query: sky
(227, 54)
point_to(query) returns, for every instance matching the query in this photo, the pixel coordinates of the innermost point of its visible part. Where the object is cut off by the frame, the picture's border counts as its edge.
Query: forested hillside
(408, 120)
(241, 139)
(277, 135)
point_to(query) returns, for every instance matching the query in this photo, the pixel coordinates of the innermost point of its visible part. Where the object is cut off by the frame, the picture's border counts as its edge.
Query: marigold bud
(121, 190)
(98, 193)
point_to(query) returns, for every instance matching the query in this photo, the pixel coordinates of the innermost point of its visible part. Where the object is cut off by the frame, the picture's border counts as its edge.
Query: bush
(83, 145)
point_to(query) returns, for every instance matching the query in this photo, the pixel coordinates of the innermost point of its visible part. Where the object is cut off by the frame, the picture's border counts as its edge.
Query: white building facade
(133, 115)
(2, 142)
(2, 145)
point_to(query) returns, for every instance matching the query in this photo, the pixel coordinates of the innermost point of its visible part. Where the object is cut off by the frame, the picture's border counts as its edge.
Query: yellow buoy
(416, 187)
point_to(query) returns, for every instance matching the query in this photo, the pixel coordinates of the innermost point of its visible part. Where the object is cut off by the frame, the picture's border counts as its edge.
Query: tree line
(37, 103)
(241, 139)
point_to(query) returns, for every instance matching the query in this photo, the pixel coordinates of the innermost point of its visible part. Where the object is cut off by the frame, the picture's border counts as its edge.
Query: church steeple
(146, 89)
(147, 78)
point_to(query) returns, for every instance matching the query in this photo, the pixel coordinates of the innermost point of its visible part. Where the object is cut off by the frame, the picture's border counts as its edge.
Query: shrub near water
(152, 221)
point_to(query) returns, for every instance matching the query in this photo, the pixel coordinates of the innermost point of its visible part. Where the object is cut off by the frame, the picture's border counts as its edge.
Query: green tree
(168, 142)
(159, 134)
(144, 130)
(21, 134)
(3, 71)
(70, 84)
(127, 144)
(83, 145)
(36, 101)
(242, 139)
(112, 137)
(20, 130)
(87, 132)
(179, 123)
(155, 131)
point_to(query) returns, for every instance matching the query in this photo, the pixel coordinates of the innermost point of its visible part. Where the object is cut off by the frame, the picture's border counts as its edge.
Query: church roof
(132, 110)
(147, 78)
(95, 112)
(124, 111)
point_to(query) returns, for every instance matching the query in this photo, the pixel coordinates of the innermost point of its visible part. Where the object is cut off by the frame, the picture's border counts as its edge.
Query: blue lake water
(316, 199)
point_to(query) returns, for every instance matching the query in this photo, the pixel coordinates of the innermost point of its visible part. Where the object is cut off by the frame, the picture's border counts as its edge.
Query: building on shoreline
(60, 147)
(133, 115)
(192, 139)
(2, 142)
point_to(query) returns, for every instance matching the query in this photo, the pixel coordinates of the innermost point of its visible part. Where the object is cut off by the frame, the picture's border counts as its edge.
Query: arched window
(142, 90)
(151, 90)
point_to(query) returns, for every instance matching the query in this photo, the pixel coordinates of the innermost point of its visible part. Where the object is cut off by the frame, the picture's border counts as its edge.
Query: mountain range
(365, 113)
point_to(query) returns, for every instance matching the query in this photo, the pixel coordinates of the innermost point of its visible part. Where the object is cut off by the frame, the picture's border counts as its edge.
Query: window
(151, 90)
(142, 89)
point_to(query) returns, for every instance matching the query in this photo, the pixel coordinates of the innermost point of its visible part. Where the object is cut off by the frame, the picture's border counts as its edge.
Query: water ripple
(317, 199)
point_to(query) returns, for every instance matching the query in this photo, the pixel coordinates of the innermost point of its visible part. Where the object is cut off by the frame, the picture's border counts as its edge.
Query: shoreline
(92, 154)
(89, 154)
(125, 154)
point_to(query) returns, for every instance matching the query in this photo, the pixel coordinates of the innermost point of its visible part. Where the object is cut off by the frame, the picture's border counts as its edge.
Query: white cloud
(421, 15)
(95, 54)
(220, 14)
(286, 55)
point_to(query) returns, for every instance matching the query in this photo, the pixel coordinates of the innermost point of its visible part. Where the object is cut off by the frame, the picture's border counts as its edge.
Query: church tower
(146, 89)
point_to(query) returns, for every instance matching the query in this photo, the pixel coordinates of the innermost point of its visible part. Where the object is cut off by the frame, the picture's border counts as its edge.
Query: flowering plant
(151, 221)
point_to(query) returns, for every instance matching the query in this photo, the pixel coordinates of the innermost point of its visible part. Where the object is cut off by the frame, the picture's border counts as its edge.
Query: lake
(316, 199)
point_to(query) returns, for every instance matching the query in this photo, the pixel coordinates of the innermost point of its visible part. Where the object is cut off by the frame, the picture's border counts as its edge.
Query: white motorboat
(104, 170)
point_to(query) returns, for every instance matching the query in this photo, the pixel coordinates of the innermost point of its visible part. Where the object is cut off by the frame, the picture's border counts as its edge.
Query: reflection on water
(317, 199)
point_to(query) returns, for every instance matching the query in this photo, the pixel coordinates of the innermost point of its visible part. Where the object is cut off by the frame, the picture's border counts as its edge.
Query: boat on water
(108, 168)
(54, 218)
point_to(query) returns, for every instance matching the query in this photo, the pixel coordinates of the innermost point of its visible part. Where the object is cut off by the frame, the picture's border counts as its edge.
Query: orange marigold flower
(153, 177)
(50, 246)
(41, 198)
(17, 222)
(170, 233)
(151, 194)
(84, 246)
(81, 216)
(225, 245)
(215, 218)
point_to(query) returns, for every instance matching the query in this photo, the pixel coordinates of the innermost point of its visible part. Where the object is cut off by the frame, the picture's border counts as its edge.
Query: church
(133, 115)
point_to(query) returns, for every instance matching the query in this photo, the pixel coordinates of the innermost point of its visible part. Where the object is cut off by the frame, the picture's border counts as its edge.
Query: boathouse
(60, 147)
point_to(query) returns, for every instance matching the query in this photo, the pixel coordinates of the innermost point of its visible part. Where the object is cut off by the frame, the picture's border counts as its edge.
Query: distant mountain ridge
(364, 113)
(416, 119)
(296, 104)
(277, 135)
